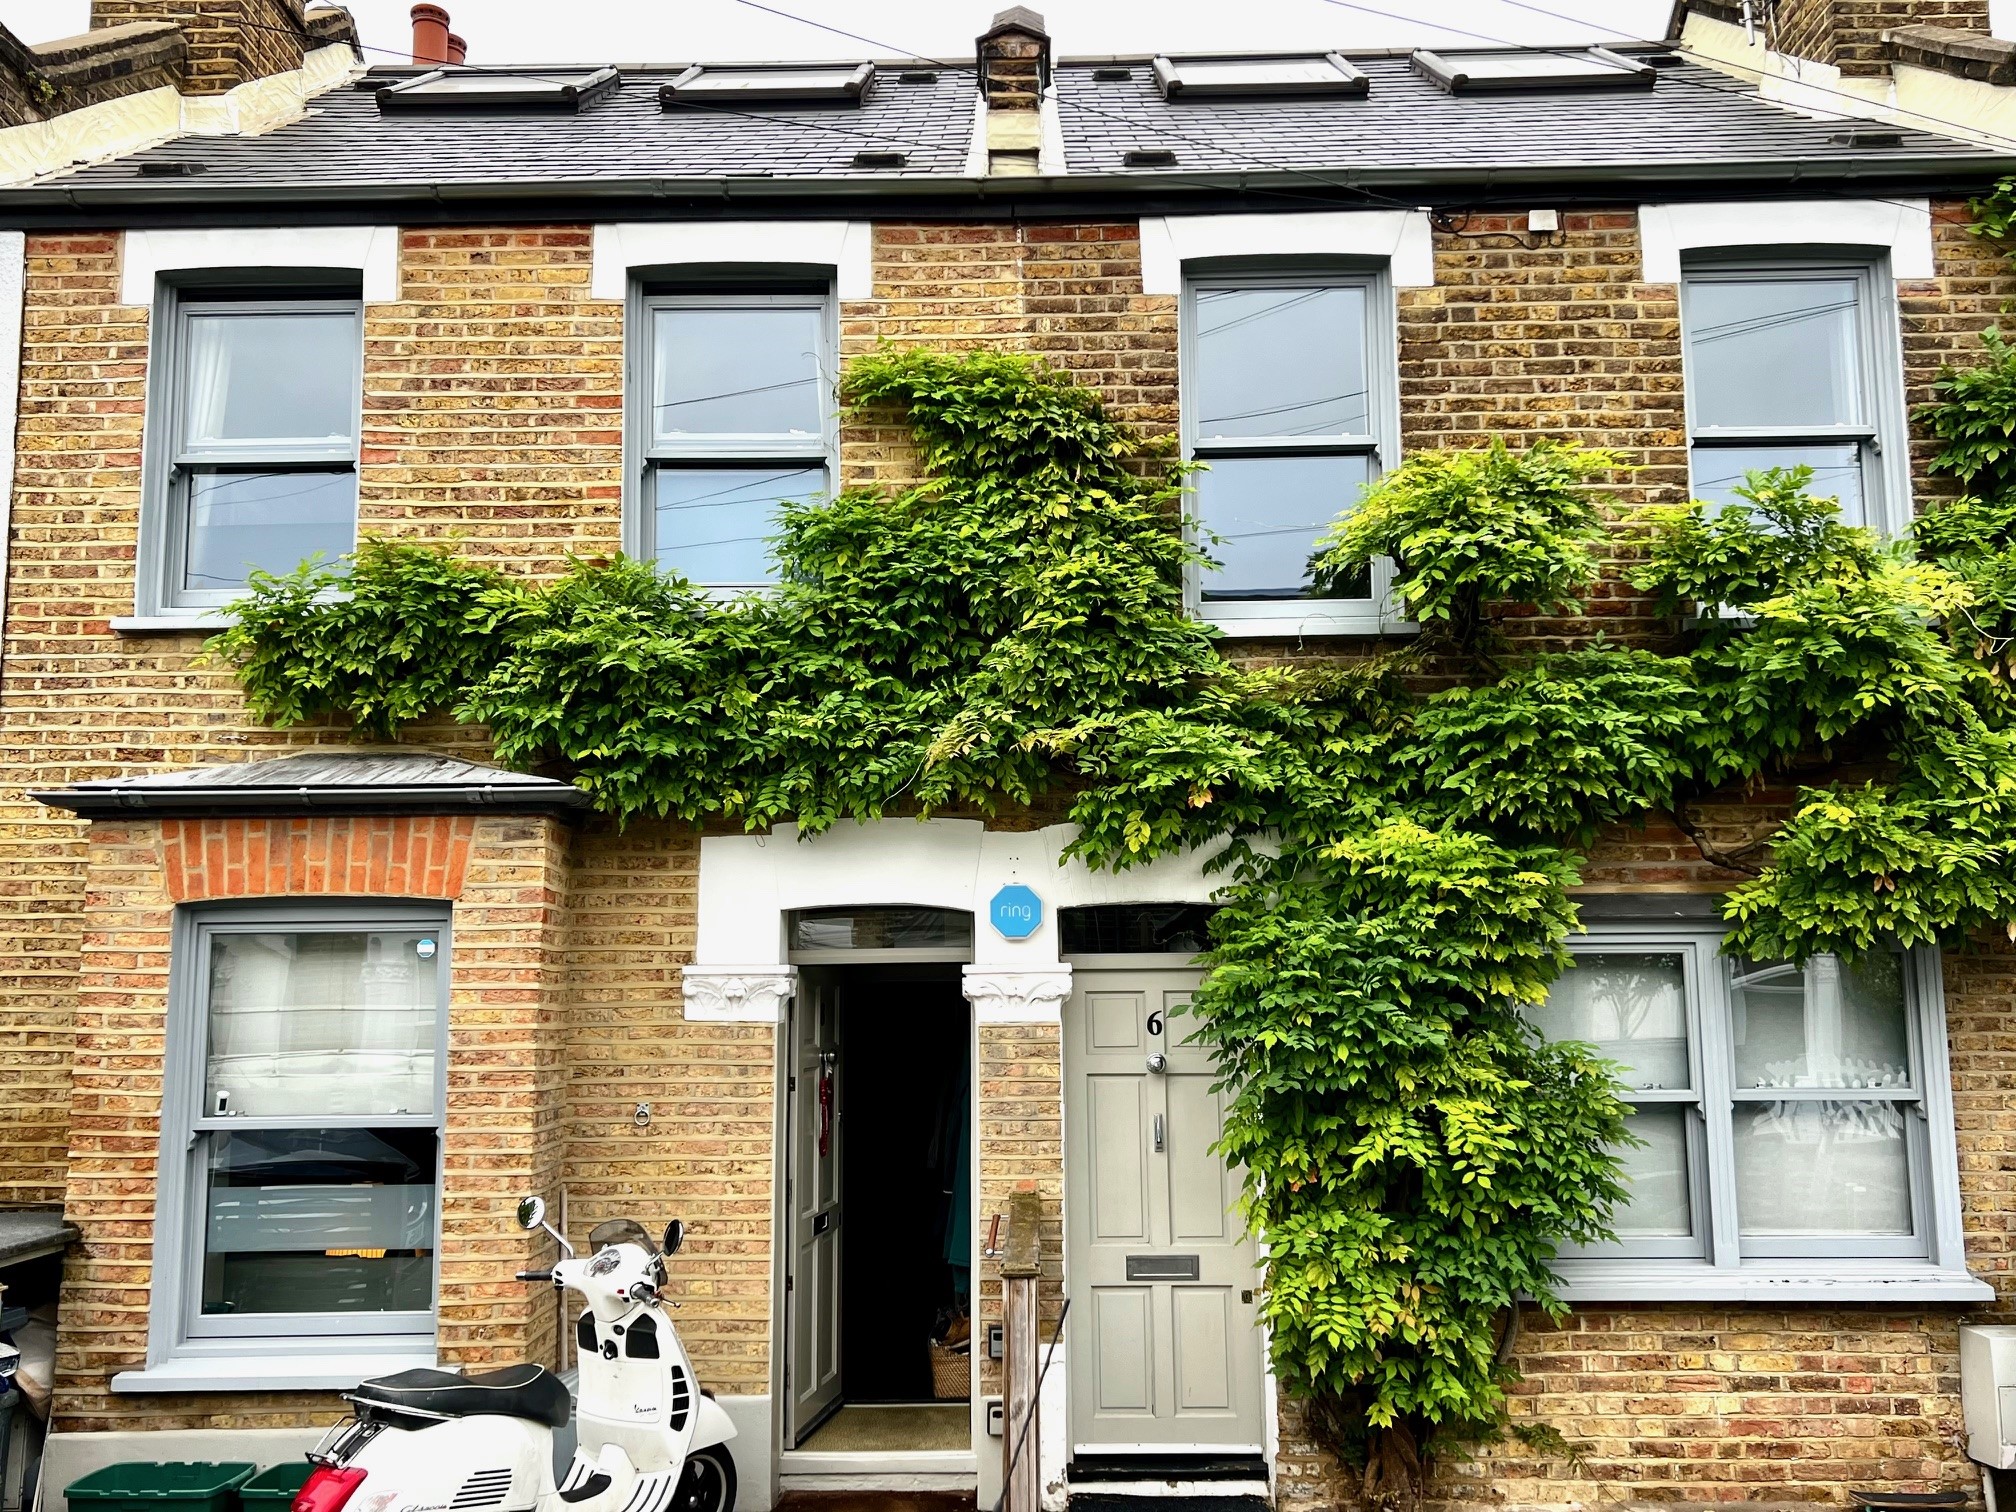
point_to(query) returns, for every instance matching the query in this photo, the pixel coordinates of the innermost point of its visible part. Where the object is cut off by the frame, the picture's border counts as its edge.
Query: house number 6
(1154, 1021)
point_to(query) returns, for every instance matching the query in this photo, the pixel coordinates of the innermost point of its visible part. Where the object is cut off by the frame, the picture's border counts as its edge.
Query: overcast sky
(625, 31)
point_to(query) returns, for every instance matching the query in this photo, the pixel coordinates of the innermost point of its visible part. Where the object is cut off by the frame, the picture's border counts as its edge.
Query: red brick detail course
(204, 859)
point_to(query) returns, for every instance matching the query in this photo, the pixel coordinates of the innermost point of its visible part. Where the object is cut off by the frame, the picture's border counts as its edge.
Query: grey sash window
(307, 1049)
(1288, 399)
(254, 445)
(737, 417)
(1796, 364)
(1790, 1115)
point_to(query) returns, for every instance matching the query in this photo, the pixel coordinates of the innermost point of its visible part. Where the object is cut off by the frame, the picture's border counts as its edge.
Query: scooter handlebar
(545, 1275)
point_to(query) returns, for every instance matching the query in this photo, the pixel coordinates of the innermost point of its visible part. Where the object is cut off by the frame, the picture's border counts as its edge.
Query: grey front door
(1165, 1349)
(812, 1202)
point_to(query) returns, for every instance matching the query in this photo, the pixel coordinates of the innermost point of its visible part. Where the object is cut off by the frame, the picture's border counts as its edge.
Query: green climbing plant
(1397, 836)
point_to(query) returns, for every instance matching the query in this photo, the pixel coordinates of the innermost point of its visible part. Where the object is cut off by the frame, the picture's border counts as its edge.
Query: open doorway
(879, 1289)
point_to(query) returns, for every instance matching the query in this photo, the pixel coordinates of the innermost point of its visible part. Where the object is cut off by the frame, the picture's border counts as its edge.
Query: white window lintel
(1401, 238)
(373, 251)
(847, 247)
(1902, 228)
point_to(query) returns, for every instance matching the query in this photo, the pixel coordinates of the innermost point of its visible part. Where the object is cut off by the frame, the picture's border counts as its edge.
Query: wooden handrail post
(1021, 1268)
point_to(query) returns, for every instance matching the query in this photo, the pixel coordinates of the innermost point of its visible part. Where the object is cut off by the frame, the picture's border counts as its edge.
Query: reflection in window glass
(1826, 1025)
(241, 522)
(1822, 1168)
(1283, 362)
(319, 1221)
(738, 371)
(715, 524)
(1781, 353)
(1267, 513)
(890, 928)
(274, 378)
(1632, 1008)
(1655, 1173)
(1837, 473)
(311, 1023)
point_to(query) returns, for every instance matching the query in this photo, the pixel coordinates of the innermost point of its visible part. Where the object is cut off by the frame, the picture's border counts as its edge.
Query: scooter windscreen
(621, 1231)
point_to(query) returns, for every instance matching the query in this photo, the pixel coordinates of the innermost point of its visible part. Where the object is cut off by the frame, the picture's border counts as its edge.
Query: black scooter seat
(531, 1392)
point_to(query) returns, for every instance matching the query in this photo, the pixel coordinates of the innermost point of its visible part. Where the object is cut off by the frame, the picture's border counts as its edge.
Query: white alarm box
(1988, 1393)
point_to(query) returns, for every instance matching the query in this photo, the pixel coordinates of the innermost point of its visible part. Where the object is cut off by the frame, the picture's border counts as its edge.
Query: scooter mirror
(531, 1212)
(675, 1235)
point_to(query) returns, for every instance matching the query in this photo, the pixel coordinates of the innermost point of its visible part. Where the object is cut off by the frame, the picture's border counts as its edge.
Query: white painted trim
(1401, 237)
(1903, 228)
(737, 994)
(1016, 997)
(1828, 1281)
(373, 251)
(267, 1372)
(876, 1468)
(847, 247)
(749, 884)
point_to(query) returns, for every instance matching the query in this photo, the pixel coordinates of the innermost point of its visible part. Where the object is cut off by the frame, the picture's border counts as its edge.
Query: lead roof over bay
(1405, 131)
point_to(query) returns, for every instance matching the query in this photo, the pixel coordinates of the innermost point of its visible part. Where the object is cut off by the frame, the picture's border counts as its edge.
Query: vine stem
(1729, 860)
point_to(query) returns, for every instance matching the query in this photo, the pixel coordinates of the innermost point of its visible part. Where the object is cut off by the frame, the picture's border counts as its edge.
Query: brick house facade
(589, 968)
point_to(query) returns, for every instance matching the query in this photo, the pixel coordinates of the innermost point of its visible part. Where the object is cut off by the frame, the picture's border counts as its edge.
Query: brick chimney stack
(230, 41)
(432, 41)
(1014, 58)
(1849, 33)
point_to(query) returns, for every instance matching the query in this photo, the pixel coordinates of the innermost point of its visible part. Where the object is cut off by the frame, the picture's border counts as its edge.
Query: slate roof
(624, 136)
(1407, 131)
(321, 781)
(1408, 127)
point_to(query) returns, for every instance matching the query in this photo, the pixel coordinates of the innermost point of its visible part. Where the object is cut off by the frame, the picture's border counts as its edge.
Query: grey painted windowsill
(267, 1372)
(1694, 1281)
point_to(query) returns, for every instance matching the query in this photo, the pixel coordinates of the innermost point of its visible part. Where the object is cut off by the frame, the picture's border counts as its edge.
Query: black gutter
(256, 802)
(423, 203)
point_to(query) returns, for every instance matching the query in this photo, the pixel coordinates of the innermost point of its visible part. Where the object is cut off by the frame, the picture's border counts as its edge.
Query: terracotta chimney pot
(430, 34)
(458, 49)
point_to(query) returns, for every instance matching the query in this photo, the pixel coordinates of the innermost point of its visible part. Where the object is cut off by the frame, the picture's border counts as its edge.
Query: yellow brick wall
(493, 417)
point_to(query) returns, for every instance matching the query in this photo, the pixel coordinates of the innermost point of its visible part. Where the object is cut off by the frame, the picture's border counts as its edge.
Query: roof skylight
(1530, 68)
(1325, 74)
(704, 83)
(565, 89)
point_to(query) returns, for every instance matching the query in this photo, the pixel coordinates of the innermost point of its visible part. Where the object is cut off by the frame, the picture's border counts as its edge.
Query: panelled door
(812, 1284)
(1165, 1347)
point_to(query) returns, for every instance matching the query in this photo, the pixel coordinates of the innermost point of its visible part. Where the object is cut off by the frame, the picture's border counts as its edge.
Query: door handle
(1158, 1065)
(1158, 1134)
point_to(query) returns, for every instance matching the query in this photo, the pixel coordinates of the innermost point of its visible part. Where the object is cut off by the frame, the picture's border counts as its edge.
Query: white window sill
(254, 1372)
(1776, 1281)
(170, 624)
(1288, 621)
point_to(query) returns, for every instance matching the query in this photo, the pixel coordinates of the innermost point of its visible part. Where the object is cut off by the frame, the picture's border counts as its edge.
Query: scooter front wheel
(708, 1482)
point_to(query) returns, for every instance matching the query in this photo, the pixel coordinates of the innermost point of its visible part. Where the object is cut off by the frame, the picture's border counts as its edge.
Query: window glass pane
(1281, 362)
(737, 371)
(1267, 513)
(1632, 1008)
(714, 524)
(309, 1024)
(1831, 1025)
(273, 521)
(316, 1221)
(1774, 352)
(1656, 1174)
(881, 929)
(1822, 1168)
(1837, 473)
(274, 379)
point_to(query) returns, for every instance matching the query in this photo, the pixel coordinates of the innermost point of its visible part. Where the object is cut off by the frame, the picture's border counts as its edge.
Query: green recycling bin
(161, 1486)
(274, 1488)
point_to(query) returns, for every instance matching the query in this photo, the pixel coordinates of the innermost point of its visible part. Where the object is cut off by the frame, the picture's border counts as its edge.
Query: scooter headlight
(328, 1488)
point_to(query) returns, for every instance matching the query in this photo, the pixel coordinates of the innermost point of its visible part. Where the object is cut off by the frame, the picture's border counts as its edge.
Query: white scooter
(649, 1440)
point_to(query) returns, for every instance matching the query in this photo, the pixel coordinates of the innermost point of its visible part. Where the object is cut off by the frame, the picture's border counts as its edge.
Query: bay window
(302, 1153)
